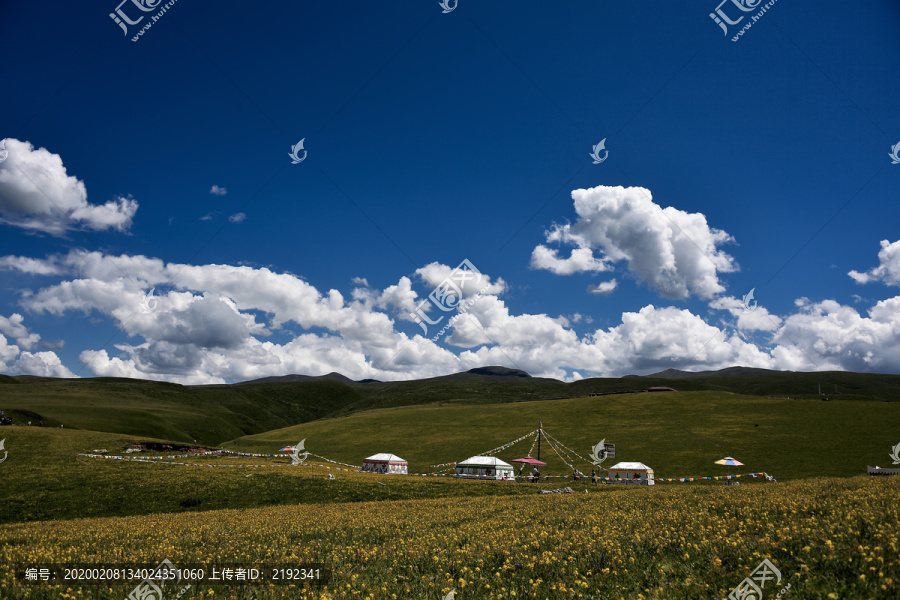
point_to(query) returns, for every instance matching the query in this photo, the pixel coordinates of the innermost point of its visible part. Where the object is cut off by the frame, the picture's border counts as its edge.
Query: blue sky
(433, 137)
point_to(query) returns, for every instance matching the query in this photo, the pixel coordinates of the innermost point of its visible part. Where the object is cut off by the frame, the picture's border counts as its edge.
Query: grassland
(213, 414)
(679, 435)
(205, 414)
(829, 538)
(43, 479)
(419, 537)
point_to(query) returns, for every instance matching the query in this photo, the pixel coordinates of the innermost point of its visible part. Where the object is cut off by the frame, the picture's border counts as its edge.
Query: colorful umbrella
(528, 461)
(729, 461)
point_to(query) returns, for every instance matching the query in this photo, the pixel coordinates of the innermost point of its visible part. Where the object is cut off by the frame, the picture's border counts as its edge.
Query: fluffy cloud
(579, 261)
(218, 191)
(14, 328)
(830, 336)
(30, 265)
(649, 340)
(42, 364)
(757, 319)
(673, 251)
(221, 323)
(204, 324)
(450, 287)
(888, 269)
(37, 194)
(237, 218)
(17, 359)
(605, 288)
(435, 274)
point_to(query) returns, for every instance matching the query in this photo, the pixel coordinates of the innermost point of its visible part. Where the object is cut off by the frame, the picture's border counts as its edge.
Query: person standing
(535, 475)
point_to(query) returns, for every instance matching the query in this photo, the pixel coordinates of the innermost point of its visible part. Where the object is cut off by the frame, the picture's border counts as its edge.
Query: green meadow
(816, 448)
(677, 434)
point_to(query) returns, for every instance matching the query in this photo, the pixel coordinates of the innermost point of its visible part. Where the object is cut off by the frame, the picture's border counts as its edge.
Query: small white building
(631, 472)
(389, 464)
(485, 467)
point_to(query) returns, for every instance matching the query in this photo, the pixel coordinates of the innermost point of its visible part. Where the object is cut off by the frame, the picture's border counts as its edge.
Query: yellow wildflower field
(827, 538)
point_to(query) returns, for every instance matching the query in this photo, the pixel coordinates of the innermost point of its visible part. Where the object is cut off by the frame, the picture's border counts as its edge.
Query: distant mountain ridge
(213, 413)
(726, 372)
(498, 371)
(293, 378)
(494, 371)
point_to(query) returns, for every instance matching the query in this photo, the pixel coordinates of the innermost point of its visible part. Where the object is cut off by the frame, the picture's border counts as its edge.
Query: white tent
(385, 463)
(485, 467)
(631, 472)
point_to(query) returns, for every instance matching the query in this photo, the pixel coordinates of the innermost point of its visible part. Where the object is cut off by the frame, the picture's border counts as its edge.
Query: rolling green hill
(677, 434)
(212, 414)
(44, 479)
(205, 414)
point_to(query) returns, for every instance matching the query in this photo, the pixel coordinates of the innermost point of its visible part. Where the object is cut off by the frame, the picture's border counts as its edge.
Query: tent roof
(630, 466)
(385, 457)
(529, 460)
(484, 461)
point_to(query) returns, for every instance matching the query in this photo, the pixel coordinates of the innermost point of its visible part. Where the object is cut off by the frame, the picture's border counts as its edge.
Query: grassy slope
(214, 414)
(678, 434)
(43, 479)
(208, 414)
(829, 538)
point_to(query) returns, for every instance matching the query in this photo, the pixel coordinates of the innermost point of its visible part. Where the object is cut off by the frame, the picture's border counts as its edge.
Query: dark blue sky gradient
(438, 137)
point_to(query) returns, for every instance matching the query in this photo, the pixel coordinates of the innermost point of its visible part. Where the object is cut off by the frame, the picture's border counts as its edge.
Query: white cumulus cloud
(675, 252)
(37, 194)
(604, 289)
(757, 319)
(18, 359)
(888, 269)
(216, 323)
(830, 336)
(13, 327)
(580, 260)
